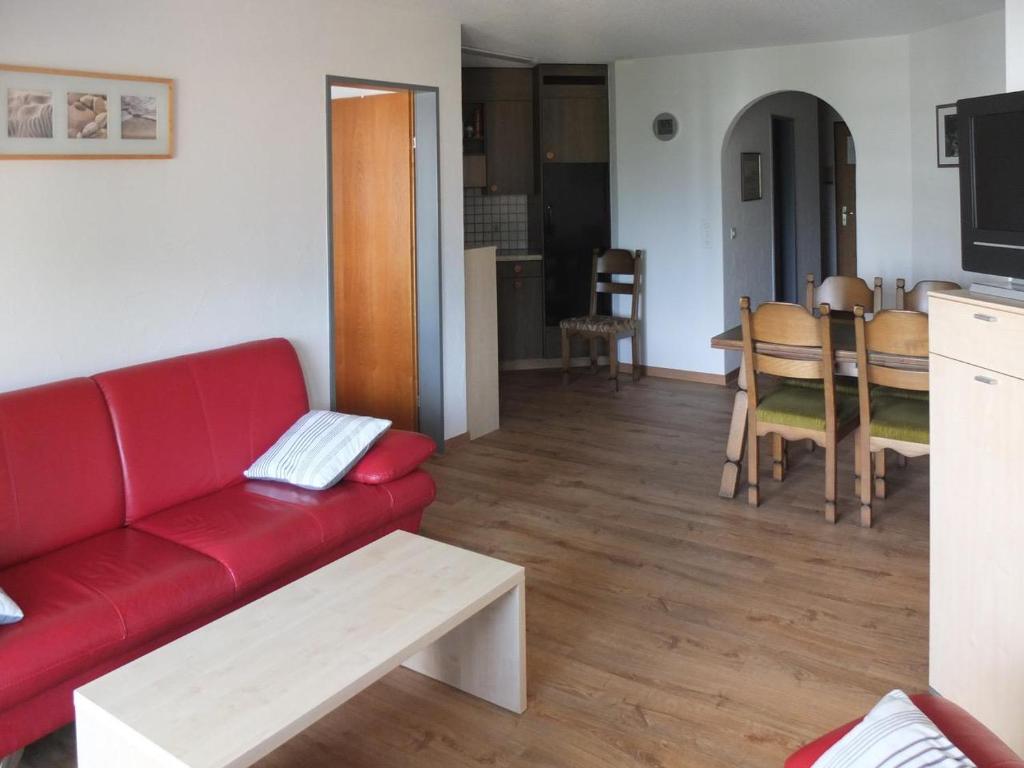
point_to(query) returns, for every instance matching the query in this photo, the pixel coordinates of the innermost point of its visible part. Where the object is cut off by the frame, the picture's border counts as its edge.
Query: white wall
(748, 260)
(107, 263)
(947, 63)
(1014, 42)
(669, 198)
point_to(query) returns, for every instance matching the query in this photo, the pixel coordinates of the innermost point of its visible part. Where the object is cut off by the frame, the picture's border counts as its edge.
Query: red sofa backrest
(190, 425)
(60, 477)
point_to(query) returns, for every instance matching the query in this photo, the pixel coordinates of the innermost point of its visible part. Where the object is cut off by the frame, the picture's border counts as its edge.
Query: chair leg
(880, 474)
(779, 459)
(856, 461)
(636, 358)
(831, 469)
(901, 461)
(565, 356)
(613, 361)
(811, 445)
(12, 760)
(593, 354)
(864, 454)
(753, 492)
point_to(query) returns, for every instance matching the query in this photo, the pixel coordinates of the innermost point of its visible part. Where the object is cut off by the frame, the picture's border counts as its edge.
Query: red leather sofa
(125, 520)
(976, 741)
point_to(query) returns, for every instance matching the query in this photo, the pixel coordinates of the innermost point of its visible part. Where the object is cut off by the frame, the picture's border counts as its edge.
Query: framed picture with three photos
(71, 114)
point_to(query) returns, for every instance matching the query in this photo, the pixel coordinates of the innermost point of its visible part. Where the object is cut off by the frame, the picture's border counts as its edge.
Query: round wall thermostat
(665, 126)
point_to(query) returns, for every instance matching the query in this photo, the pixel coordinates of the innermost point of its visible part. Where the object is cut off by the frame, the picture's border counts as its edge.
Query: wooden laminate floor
(666, 626)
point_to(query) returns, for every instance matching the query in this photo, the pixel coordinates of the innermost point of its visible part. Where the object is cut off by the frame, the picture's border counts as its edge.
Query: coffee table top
(236, 689)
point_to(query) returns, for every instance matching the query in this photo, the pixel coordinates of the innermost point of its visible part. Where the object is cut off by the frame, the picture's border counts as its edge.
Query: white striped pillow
(895, 734)
(10, 613)
(318, 450)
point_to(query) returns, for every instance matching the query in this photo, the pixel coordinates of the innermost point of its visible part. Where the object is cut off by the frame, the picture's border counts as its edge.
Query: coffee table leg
(737, 439)
(485, 655)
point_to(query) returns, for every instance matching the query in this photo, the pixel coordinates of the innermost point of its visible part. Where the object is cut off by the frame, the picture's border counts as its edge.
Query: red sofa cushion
(255, 537)
(395, 455)
(154, 584)
(976, 741)
(60, 478)
(190, 426)
(67, 626)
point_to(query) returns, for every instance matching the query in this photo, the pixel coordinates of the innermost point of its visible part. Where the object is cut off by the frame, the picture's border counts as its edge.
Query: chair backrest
(890, 335)
(773, 327)
(842, 293)
(615, 262)
(917, 298)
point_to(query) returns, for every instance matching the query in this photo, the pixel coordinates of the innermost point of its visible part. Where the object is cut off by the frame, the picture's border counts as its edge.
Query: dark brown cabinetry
(498, 129)
(520, 310)
(573, 113)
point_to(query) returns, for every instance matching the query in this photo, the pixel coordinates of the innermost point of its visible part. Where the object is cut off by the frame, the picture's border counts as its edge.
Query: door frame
(428, 238)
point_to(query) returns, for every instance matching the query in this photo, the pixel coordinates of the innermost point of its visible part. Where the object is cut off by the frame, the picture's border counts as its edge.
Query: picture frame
(751, 187)
(947, 136)
(68, 114)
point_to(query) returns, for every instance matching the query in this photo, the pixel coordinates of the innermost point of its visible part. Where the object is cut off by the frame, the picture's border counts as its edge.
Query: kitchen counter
(504, 256)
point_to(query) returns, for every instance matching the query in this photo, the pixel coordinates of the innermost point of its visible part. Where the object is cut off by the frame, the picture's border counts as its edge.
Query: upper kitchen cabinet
(572, 102)
(498, 124)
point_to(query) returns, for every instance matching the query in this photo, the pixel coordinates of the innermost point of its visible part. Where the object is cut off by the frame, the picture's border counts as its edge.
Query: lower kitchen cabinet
(520, 310)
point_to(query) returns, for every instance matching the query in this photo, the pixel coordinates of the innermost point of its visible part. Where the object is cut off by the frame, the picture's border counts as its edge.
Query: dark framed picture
(750, 176)
(947, 136)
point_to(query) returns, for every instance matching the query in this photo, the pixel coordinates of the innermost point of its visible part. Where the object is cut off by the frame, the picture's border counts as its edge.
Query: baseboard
(454, 442)
(674, 374)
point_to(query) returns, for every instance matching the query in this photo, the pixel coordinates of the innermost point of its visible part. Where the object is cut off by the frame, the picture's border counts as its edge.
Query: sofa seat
(97, 597)
(983, 747)
(254, 537)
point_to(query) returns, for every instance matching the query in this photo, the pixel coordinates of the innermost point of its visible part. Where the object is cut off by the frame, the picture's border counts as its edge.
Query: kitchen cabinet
(509, 142)
(520, 310)
(574, 130)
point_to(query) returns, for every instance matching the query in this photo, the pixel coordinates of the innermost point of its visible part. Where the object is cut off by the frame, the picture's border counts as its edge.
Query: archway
(788, 198)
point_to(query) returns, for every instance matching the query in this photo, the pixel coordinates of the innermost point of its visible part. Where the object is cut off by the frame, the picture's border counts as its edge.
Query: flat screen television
(992, 183)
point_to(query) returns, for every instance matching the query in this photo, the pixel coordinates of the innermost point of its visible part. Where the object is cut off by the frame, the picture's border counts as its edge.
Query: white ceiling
(596, 31)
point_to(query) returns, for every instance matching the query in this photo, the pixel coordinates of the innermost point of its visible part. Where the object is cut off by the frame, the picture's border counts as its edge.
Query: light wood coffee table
(234, 690)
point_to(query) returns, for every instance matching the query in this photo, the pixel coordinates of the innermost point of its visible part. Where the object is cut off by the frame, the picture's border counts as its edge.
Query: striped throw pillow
(318, 450)
(895, 734)
(10, 613)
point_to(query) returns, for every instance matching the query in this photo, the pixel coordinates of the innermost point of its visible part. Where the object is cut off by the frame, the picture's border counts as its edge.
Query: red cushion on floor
(395, 455)
(254, 537)
(67, 626)
(154, 584)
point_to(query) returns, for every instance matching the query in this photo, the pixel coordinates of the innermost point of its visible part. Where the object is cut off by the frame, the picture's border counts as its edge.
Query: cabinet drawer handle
(986, 380)
(517, 268)
(985, 318)
(517, 284)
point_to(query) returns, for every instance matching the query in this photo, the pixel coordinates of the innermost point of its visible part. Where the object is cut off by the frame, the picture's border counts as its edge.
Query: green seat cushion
(912, 394)
(846, 385)
(900, 418)
(803, 407)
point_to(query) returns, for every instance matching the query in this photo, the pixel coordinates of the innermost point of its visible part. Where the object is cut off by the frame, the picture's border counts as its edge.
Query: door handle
(985, 318)
(846, 212)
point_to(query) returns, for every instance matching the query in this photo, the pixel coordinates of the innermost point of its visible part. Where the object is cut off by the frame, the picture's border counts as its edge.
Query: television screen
(999, 171)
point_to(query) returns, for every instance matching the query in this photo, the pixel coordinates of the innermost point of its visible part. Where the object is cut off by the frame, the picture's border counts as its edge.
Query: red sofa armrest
(394, 456)
(976, 741)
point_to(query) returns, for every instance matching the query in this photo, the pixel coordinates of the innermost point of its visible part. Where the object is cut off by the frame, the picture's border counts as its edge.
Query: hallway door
(374, 261)
(846, 201)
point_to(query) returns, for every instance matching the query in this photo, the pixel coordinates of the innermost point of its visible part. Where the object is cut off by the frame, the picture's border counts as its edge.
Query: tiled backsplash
(495, 220)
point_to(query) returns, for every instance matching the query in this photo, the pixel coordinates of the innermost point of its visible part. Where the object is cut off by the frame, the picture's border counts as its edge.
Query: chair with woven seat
(615, 262)
(916, 299)
(791, 412)
(842, 294)
(893, 402)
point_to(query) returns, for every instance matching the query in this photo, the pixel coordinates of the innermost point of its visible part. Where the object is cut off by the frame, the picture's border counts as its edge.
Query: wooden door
(846, 201)
(374, 257)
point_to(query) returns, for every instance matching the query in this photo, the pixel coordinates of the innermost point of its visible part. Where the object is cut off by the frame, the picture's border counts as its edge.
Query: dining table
(845, 351)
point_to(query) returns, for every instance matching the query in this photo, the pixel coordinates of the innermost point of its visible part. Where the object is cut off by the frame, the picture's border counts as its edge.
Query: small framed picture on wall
(750, 176)
(947, 132)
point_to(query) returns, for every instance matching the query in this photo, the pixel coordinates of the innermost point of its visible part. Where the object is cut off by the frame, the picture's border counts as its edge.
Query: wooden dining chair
(792, 412)
(615, 262)
(842, 293)
(893, 412)
(916, 299)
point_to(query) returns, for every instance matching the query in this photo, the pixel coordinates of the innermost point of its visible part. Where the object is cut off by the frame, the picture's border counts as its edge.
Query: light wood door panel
(977, 616)
(374, 257)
